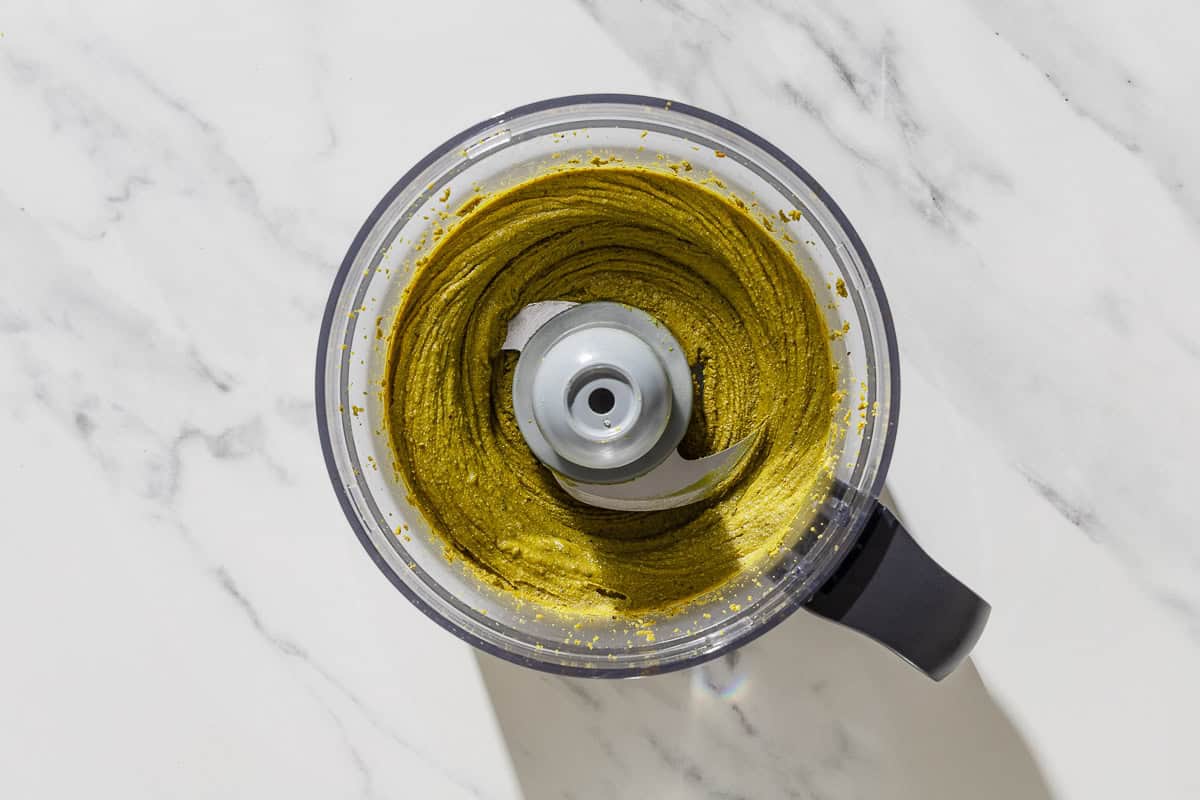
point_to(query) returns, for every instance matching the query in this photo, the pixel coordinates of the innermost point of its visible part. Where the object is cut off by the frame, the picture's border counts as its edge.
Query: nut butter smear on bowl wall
(749, 326)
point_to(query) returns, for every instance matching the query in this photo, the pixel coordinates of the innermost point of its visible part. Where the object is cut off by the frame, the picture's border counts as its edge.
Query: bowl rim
(449, 145)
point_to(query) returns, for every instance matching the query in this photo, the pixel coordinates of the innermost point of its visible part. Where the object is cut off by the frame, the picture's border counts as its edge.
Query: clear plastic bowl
(504, 151)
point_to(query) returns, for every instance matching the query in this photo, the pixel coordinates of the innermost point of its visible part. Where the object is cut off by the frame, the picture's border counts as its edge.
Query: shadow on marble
(810, 710)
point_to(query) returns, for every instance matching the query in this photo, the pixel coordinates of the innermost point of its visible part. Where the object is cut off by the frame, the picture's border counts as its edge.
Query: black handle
(890, 590)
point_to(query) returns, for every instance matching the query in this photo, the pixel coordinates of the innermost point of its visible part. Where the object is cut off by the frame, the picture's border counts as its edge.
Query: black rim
(448, 146)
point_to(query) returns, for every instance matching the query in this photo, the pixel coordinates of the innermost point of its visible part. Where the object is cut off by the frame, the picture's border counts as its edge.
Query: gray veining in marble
(185, 611)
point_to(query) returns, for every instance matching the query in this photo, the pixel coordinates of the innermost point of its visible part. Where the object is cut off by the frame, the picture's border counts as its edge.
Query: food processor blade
(603, 397)
(675, 482)
(525, 324)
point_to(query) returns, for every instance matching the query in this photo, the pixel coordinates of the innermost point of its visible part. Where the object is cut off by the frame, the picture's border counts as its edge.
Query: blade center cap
(601, 397)
(602, 392)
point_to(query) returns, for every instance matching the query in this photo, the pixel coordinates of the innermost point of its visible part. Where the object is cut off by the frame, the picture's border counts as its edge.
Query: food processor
(602, 397)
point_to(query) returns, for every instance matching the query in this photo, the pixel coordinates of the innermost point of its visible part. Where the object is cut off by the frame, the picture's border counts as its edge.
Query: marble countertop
(185, 612)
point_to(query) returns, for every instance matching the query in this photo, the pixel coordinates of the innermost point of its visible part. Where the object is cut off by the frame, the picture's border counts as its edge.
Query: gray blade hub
(603, 395)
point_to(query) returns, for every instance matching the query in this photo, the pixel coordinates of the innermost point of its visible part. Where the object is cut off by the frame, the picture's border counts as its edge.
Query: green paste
(699, 263)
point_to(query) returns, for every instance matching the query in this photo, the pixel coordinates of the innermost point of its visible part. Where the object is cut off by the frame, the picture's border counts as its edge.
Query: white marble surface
(184, 610)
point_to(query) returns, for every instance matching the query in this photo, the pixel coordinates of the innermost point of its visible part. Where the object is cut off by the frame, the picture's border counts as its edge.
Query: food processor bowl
(850, 560)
